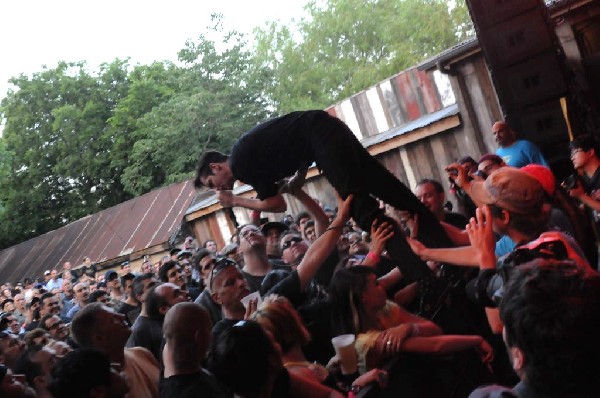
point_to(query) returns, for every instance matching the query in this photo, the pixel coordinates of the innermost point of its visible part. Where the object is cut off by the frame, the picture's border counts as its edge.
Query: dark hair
(492, 157)
(78, 372)
(301, 215)
(242, 350)
(585, 142)
(200, 254)
(345, 290)
(203, 168)
(436, 184)
(44, 296)
(138, 283)
(25, 364)
(95, 295)
(164, 270)
(551, 312)
(207, 241)
(127, 277)
(42, 323)
(154, 302)
(530, 224)
(466, 159)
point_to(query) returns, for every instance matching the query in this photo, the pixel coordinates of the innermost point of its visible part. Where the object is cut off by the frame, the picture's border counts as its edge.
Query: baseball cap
(543, 175)
(509, 188)
(110, 275)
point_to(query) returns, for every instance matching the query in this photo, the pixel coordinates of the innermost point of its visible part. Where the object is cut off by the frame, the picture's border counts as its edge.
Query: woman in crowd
(360, 306)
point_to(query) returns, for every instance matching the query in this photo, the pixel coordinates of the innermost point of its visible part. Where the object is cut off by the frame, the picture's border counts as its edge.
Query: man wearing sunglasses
(204, 260)
(253, 247)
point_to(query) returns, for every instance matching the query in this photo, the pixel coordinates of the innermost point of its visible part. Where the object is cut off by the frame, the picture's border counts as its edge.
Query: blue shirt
(521, 153)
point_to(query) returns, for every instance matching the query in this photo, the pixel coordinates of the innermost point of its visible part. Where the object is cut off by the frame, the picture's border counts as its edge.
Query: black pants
(350, 169)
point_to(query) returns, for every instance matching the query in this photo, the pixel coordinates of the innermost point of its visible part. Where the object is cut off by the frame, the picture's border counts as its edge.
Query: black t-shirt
(146, 333)
(456, 219)
(199, 384)
(254, 281)
(125, 308)
(272, 151)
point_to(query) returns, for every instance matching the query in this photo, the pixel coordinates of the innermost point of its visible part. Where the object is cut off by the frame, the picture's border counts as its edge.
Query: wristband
(331, 228)
(373, 257)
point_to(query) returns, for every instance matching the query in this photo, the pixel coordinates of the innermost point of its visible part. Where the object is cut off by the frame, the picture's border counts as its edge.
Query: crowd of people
(503, 291)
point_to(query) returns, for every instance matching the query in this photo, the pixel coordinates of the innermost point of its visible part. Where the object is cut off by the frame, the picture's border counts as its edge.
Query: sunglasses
(247, 232)
(288, 243)
(220, 265)
(54, 326)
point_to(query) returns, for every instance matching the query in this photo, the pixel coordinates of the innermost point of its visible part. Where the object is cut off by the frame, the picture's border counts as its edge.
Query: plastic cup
(344, 348)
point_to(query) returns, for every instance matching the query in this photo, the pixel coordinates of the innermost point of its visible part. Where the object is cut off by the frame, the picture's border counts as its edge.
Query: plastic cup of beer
(344, 348)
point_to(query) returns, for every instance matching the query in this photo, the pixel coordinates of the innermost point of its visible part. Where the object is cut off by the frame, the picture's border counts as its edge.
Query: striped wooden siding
(391, 103)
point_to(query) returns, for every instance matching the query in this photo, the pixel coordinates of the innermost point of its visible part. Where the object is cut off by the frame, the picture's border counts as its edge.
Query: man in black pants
(280, 147)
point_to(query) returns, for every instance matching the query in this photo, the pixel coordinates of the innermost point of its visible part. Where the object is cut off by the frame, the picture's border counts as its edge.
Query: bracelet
(331, 228)
(373, 257)
(415, 330)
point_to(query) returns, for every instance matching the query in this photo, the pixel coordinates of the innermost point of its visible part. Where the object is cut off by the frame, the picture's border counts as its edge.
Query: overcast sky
(38, 32)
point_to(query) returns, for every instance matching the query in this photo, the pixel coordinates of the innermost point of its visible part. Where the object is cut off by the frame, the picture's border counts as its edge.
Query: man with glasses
(204, 260)
(55, 326)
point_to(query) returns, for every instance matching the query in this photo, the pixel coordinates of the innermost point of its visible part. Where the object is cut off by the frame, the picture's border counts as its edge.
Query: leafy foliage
(345, 46)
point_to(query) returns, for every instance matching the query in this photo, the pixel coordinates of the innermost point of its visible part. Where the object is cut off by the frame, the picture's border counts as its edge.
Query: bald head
(187, 329)
(504, 135)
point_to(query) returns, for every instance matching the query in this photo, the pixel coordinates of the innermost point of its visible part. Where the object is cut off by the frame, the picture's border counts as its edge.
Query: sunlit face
(172, 293)
(580, 157)
(357, 246)
(503, 134)
(431, 198)
(488, 167)
(310, 233)
(293, 248)
(251, 237)
(81, 291)
(175, 276)
(50, 306)
(56, 328)
(211, 246)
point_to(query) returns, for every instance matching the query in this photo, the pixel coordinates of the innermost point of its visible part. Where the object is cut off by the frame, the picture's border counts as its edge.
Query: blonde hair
(277, 316)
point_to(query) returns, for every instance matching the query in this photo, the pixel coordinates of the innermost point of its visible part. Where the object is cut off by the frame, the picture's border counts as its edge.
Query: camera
(570, 182)
(487, 288)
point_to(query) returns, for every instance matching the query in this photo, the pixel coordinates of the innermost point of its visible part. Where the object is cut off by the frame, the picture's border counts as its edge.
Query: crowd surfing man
(288, 145)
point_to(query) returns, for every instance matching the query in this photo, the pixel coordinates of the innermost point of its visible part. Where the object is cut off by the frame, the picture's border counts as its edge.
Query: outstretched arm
(321, 219)
(324, 245)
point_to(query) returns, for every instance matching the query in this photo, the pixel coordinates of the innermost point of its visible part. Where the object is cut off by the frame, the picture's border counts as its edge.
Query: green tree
(220, 98)
(59, 169)
(345, 46)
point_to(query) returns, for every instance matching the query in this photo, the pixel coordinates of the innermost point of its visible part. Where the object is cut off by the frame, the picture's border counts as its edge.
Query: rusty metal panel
(408, 97)
(111, 234)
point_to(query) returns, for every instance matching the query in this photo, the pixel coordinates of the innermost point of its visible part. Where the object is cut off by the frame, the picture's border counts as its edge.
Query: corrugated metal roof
(449, 53)
(129, 227)
(411, 126)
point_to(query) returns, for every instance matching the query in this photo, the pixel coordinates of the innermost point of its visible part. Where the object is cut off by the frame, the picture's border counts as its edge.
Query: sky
(34, 33)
